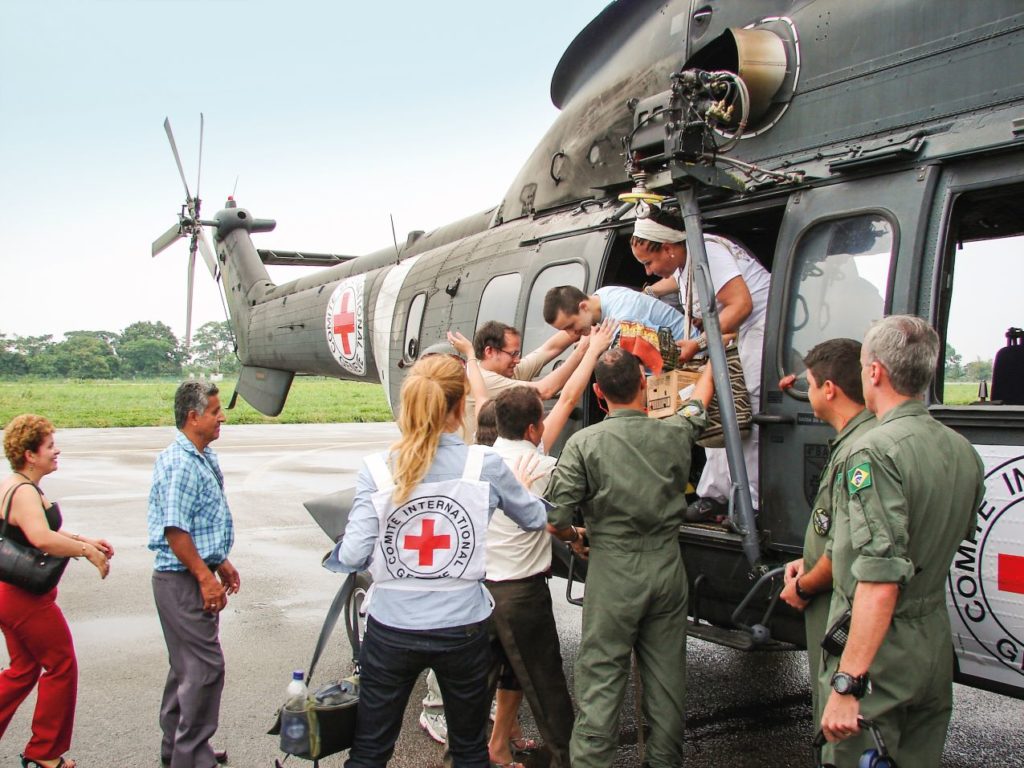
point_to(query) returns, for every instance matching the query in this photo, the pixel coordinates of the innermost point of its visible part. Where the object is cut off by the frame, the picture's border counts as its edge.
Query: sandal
(28, 762)
(523, 744)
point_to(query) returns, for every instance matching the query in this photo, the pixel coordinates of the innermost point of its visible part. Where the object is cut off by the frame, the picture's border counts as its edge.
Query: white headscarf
(649, 229)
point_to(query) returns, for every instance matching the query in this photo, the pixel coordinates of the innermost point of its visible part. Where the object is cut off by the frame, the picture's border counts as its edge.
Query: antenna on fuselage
(394, 237)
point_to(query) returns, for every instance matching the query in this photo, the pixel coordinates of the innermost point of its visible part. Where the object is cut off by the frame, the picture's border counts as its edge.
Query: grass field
(960, 392)
(78, 403)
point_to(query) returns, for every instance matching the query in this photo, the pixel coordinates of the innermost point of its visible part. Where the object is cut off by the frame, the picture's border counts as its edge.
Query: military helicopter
(871, 156)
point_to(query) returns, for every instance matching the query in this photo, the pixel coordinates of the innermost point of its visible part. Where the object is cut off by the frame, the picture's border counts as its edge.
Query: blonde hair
(25, 433)
(434, 388)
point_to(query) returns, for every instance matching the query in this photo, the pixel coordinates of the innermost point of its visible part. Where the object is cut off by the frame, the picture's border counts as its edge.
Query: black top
(52, 512)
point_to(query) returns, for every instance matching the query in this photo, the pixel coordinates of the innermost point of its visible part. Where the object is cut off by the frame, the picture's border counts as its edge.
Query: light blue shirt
(188, 493)
(628, 306)
(426, 609)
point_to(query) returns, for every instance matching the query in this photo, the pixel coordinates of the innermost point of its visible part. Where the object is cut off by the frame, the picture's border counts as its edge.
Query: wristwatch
(848, 685)
(805, 596)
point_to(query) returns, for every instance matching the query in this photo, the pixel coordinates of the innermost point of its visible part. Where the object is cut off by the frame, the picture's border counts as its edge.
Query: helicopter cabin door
(841, 248)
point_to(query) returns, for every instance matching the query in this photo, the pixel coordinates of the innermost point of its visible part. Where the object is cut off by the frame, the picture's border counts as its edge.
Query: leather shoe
(220, 755)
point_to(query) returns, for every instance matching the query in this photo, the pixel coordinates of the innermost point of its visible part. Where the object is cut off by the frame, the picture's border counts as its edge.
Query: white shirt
(728, 260)
(513, 553)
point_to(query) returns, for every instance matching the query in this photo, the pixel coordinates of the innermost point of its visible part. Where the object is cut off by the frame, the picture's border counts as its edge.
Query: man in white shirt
(518, 565)
(741, 294)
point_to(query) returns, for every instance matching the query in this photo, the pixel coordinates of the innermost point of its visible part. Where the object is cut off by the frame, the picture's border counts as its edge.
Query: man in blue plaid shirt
(191, 531)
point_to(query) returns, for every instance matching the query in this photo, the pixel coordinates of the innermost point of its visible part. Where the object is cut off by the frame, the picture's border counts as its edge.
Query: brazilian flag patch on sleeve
(859, 478)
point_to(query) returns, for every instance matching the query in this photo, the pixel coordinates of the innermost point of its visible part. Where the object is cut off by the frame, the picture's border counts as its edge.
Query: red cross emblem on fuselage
(345, 323)
(427, 542)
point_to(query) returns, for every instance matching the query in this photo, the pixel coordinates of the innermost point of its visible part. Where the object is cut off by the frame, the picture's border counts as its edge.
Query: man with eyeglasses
(499, 353)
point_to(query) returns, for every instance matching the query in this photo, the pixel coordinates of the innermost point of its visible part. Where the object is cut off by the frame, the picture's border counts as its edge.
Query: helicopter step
(739, 639)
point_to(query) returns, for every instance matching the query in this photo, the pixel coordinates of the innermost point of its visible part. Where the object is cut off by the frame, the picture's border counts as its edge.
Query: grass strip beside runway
(70, 403)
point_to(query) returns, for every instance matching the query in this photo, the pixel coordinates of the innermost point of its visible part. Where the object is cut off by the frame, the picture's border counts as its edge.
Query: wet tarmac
(744, 710)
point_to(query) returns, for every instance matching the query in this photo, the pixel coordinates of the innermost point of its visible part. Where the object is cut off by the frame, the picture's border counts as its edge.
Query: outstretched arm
(477, 387)
(704, 389)
(555, 346)
(601, 337)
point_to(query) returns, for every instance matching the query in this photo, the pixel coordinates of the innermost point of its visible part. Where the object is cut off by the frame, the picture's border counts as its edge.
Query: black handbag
(23, 565)
(328, 718)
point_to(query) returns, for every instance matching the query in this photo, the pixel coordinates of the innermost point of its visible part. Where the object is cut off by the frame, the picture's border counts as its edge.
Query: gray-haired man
(191, 531)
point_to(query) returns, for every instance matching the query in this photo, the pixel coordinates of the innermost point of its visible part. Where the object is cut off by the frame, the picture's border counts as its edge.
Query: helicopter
(870, 156)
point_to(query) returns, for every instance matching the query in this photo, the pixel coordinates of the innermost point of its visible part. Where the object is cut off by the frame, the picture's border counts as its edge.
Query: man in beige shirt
(499, 353)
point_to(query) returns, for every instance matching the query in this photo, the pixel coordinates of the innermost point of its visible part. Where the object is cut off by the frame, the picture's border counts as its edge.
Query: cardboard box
(663, 392)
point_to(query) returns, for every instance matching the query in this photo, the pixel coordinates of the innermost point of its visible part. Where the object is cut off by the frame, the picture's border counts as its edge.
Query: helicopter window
(412, 326)
(499, 300)
(537, 331)
(981, 310)
(837, 287)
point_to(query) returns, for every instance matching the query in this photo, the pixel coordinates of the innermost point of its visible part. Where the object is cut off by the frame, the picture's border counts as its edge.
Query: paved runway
(744, 710)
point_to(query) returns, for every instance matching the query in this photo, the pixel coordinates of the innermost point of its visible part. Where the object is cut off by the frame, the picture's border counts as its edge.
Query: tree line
(957, 370)
(143, 349)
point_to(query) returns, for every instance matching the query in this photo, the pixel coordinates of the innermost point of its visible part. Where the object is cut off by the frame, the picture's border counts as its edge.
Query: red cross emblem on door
(427, 542)
(345, 323)
(1011, 573)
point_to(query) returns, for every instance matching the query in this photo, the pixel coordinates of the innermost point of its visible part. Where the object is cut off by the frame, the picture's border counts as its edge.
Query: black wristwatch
(805, 596)
(848, 685)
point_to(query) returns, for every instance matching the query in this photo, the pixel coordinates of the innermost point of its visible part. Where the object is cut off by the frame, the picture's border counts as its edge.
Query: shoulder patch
(859, 478)
(690, 409)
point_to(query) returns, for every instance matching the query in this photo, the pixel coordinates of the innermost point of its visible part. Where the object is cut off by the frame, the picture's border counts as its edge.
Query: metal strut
(741, 508)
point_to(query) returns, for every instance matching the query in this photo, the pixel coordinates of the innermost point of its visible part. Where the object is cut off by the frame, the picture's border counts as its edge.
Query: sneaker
(435, 725)
(705, 510)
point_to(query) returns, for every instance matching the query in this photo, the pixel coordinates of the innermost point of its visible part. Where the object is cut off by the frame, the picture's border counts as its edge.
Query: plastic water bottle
(294, 722)
(297, 686)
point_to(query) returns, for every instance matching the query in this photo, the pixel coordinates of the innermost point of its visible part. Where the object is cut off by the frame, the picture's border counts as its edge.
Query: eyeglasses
(515, 354)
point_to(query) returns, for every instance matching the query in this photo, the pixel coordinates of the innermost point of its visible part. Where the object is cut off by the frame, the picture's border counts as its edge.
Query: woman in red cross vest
(418, 525)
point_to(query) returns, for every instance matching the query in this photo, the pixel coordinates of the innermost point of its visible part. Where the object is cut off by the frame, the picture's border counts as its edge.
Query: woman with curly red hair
(38, 639)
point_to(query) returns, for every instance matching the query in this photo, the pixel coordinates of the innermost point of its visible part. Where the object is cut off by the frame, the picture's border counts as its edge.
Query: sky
(330, 117)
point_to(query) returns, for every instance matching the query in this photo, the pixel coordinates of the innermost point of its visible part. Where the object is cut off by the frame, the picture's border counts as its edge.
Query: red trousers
(38, 641)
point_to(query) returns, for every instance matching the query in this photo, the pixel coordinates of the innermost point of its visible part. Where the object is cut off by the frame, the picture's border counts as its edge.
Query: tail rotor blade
(167, 239)
(208, 255)
(177, 159)
(191, 283)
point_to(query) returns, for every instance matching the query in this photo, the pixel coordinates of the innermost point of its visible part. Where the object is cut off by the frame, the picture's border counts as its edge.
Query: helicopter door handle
(773, 418)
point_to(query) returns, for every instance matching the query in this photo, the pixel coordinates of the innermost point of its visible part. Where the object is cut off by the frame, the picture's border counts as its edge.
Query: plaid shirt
(188, 493)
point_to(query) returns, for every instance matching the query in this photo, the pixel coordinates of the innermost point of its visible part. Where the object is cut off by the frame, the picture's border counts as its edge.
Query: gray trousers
(191, 700)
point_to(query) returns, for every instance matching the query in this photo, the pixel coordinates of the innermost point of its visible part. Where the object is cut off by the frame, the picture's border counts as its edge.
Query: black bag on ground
(26, 566)
(326, 724)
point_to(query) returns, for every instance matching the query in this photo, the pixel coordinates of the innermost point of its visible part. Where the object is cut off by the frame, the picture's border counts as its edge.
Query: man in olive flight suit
(836, 396)
(628, 475)
(913, 490)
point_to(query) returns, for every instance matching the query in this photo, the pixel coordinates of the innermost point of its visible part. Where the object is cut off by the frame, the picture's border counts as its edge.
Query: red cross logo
(1011, 574)
(427, 542)
(345, 323)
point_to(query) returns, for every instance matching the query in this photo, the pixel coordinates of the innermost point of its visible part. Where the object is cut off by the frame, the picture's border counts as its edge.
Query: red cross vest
(435, 539)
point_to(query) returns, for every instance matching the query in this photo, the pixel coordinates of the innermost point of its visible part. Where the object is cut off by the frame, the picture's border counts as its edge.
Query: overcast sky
(331, 116)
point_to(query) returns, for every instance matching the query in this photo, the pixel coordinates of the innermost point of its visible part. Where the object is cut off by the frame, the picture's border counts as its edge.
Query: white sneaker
(435, 725)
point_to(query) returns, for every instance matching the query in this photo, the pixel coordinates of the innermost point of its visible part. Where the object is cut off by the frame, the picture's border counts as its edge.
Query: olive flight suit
(913, 490)
(818, 540)
(628, 475)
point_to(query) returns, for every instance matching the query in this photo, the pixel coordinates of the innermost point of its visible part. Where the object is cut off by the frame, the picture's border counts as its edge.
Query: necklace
(22, 474)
